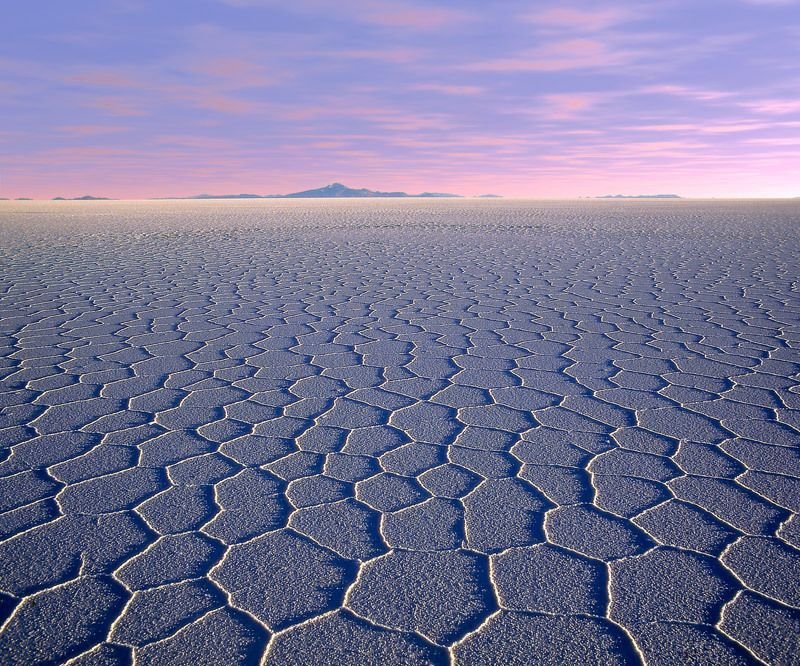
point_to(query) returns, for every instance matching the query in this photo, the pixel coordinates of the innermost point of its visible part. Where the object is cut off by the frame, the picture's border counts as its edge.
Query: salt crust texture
(399, 432)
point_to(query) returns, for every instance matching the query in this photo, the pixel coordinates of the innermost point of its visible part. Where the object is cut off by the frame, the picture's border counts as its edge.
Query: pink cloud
(386, 13)
(774, 106)
(397, 56)
(567, 105)
(92, 130)
(395, 15)
(703, 95)
(233, 73)
(559, 56)
(581, 20)
(449, 89)
(116, 106)
(104, 79)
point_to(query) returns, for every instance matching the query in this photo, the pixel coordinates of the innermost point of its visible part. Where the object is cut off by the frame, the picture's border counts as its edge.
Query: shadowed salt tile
(181, 417)
(779, 489)
(155, 614)
(668, 585)
(503, 513)
(202, 470)
(347, 527)
(488, 464)
(256, 450)
(560, 485)
(678, 423)
(706, 460)
(486, 439)
(297, 465)
(426, 422)
(350, 414)
(63, 622)
(435, 524)
(633, 463)
(252, 503)
(517, 638)
(769, 630)
(171, 559)
(52, 553)
(456, 396)
(111, 540)
(179, 509)
(100, 461)
(317, 489)
(449, 481)
(442, 595)
(74, 415)
(668, 643)
(766, 565)
(352, 468)
(28, 516)
(390, 492)
(322, 439)
(594, 533)
(114, 492)
(258, 573)
(599, 410)
(26, 487)
(765, 457)
(342, 638)
(105, 654)
(172, 447)
(548, 446)
(373, 441)
(683, 525)
(521, 398)
(413, 458)
(730, 502)
(627, 495)
(251, 412)
(565, 419)
(546, 579)
(224, 636)
(47, 450)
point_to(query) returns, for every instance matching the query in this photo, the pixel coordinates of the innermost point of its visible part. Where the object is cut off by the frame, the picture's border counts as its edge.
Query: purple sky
(138, 98)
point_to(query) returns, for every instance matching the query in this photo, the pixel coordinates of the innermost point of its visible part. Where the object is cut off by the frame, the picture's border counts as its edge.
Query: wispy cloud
(579, 19)
(449, 89)
(558, 56)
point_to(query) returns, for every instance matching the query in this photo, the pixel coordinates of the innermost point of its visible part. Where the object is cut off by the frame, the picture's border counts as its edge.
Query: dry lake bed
(400, 431)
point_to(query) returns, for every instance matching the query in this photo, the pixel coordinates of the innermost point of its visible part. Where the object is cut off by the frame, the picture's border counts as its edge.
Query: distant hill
(224, 196)
(489, 196)
(332, 191)
(639, 196)
(85, 197)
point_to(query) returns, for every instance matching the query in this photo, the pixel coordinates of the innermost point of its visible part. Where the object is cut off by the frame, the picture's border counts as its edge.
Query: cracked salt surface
(399, 432)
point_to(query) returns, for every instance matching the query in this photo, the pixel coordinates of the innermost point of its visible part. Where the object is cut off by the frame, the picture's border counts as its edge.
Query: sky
(154, 98)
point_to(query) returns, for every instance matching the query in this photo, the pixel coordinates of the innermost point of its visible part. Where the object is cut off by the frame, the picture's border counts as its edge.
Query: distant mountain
(85, 197)
(639, 196)
(489, 196)
(225, 196)
(332, 191)
(23, 199)
(339, 191)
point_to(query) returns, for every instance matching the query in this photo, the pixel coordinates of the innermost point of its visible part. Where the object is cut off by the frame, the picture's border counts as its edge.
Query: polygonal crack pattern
(471, 433)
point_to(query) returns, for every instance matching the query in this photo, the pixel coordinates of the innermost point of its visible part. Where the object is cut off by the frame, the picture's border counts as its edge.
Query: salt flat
(400, 432)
